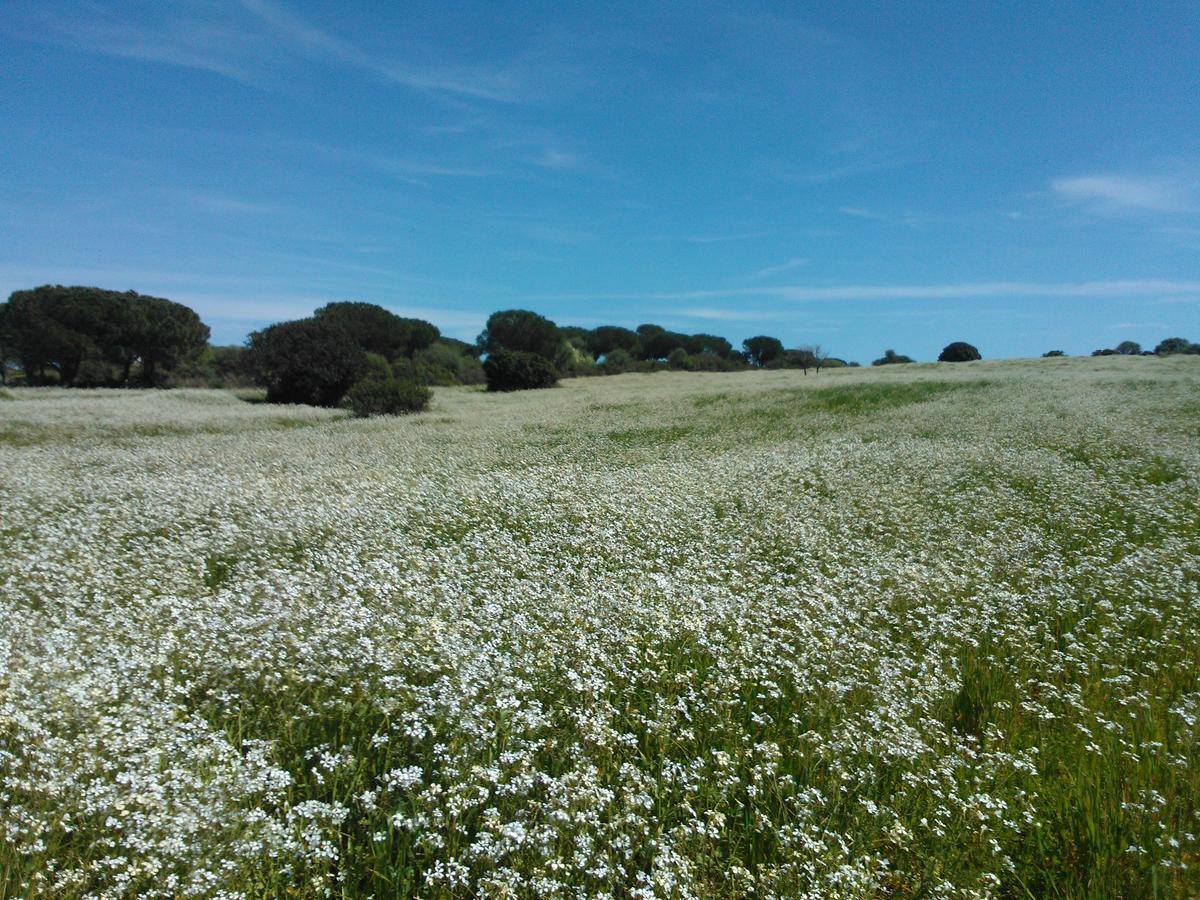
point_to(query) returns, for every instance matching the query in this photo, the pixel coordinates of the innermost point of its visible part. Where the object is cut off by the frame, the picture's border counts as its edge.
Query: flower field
(918, 631)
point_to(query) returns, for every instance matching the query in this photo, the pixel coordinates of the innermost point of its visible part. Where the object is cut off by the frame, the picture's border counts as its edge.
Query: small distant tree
(1172, 345)
(892, 358)
(516, 371)
(762, 349)
(1129, 348)
(1106, 351)
(306, 361)
(1053, 353)
(816, 356)
(959, 351)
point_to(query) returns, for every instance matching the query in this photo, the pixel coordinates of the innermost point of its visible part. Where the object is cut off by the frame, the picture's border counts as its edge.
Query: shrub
(1049, 353)
(387, 396)
(959, 351)
(679, 359)
(617, 361)
(514, 371)
(306, 361)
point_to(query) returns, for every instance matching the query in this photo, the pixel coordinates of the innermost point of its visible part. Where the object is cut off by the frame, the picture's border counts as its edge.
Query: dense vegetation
(90, 337)
(904, 632)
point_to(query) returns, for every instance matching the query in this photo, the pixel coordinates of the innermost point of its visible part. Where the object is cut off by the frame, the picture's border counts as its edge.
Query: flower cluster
(906, 633)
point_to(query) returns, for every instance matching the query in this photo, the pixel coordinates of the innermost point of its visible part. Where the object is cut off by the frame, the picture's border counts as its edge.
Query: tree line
(368, 358)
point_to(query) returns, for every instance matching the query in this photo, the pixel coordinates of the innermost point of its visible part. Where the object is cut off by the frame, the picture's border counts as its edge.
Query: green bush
(306, 361)
(509, 371)
(378, 396)
(959, 351)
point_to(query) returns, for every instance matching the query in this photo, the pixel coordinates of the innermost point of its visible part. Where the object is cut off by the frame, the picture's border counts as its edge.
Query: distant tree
(518, 371)
(1129, 348)
(520, 331)
(309, 361)
(1176, 345)
(762, 349)
(892, 358)
(377, 330)
(657, 342)
(1053, 353)
(606, 338)
(815, 355)
(959, 351)
(1107, 351)
(695, 344)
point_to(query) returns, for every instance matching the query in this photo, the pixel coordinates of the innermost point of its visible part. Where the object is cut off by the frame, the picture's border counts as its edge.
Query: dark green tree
(1129, 348)
(606, 338)
(657, 342)
(308, 361)
(762, 349)
(1176, 345)
(60, 328)
(959, 351)
(377, 330)
(520, 331)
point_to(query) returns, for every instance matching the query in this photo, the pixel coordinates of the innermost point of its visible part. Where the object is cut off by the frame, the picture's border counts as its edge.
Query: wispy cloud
(709, 238)
(221, 205)
(860, 212)
(723, 315)
(951, 291)
(795, 262)
(249, 41)
(1110, 193)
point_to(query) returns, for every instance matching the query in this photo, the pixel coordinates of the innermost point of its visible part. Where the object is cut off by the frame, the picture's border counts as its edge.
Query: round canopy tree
(376, 330)
(306, 361)
(520, 331)
(959, 351)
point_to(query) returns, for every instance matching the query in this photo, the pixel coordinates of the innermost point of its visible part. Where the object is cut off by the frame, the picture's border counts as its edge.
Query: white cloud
(795, 262)
(1115, 193)
(951, 291)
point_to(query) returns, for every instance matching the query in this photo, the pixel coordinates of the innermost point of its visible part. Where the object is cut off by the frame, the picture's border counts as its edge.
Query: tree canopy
(520, 331)
(67, 329)
(309, 361)
(377, 330)
(762, 349)
(959, 351)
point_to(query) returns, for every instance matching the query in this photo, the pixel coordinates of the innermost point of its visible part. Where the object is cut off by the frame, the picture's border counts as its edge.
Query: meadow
(916, 631)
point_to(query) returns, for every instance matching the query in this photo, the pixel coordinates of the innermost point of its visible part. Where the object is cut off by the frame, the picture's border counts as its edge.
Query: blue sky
(865, 176)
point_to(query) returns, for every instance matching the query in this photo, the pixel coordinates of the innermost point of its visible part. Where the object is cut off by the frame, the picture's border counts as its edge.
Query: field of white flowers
(915, 631)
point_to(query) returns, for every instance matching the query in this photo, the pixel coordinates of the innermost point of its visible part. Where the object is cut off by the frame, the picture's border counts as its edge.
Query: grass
(930, 633)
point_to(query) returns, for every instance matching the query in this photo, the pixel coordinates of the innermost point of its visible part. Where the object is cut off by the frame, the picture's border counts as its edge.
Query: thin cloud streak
(794, 263)
(957, 291)
(1111, 193)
